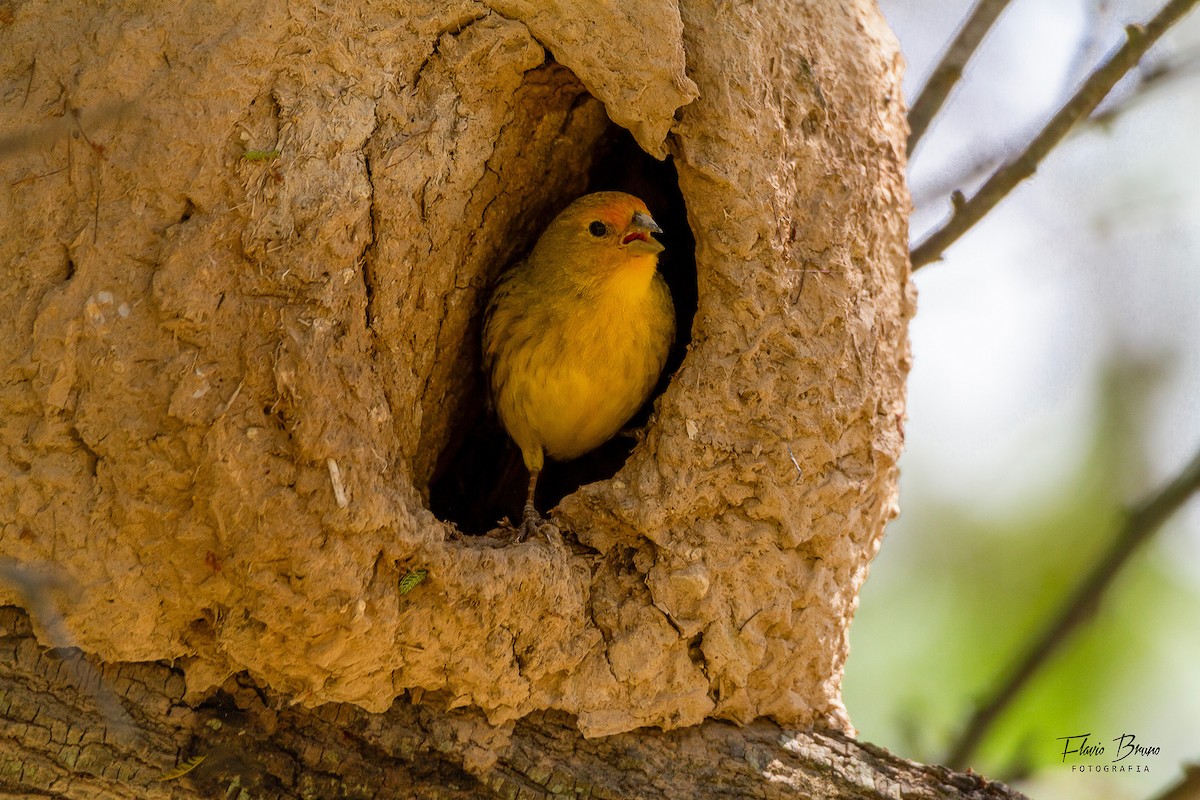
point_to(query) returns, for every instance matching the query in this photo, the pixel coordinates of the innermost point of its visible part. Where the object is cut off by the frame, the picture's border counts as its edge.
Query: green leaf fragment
(412, 580)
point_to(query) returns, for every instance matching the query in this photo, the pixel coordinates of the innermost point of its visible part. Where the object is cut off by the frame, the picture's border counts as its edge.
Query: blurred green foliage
(956, 595)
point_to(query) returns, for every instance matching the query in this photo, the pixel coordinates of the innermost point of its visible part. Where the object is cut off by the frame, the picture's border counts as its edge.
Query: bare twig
(1141, 523)
(946, 74)
(1154, 78)
(1091, 45)
(1138, 39)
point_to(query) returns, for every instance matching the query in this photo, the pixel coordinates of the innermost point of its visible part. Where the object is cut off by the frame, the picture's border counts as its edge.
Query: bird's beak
(637, 236)
(646, 222)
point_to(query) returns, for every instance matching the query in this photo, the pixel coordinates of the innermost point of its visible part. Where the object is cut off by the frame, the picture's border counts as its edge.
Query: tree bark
(56, 740)
(246, 258)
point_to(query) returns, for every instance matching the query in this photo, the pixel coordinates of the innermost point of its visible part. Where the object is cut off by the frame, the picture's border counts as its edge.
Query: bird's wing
(492, 336)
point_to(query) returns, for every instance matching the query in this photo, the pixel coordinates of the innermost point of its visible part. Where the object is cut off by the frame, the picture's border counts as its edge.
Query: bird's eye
(597, 228)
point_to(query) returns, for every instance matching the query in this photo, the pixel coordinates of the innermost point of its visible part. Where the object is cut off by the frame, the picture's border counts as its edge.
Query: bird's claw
(531, 521)
(534, 523)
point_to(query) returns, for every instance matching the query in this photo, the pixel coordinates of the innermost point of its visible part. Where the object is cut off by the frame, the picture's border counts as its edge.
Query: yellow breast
(573, 369)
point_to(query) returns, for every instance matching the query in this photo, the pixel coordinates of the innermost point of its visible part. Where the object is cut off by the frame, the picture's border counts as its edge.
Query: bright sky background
(1100, 249)
(1098, 253)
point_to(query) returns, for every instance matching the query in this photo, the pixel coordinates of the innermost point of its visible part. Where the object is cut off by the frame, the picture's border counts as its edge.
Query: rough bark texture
(244, 257)
(55, 738)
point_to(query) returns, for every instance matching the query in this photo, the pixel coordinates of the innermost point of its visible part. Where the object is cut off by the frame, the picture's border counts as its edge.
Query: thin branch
(1091, 46)
(946, 74)
(1138, 39)
(1153, 79)
(1158, 76)
(1143, 521)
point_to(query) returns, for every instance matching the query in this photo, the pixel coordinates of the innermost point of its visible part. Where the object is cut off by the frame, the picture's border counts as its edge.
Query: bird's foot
(531, 521)
(534, 523)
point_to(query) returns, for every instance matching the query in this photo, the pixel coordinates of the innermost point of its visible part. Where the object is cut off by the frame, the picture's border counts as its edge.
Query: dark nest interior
(480, 477)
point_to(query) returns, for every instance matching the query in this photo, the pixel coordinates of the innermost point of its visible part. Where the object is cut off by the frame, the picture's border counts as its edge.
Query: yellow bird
(575, 335)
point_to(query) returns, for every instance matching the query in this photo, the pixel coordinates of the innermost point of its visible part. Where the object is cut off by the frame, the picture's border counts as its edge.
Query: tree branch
(1153, 78)
(55, 741)
(1156, 77)
(1143, 521)
(950, 68)
(1138, 39)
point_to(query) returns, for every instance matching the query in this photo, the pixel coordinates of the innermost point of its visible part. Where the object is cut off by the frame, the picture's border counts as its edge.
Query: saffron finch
(575, 335)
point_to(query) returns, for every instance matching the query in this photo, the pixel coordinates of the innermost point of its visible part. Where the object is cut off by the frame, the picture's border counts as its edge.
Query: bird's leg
(531, 518)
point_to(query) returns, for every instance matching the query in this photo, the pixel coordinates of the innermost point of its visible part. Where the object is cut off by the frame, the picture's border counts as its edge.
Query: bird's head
(602, 232)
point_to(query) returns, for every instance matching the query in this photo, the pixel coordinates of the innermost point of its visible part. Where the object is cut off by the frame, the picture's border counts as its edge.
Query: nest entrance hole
(480, 477)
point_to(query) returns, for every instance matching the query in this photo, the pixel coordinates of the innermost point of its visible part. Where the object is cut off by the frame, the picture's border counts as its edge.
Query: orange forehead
(614, 208)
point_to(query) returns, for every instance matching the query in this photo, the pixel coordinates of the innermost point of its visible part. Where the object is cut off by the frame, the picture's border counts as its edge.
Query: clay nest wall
(244, 258)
